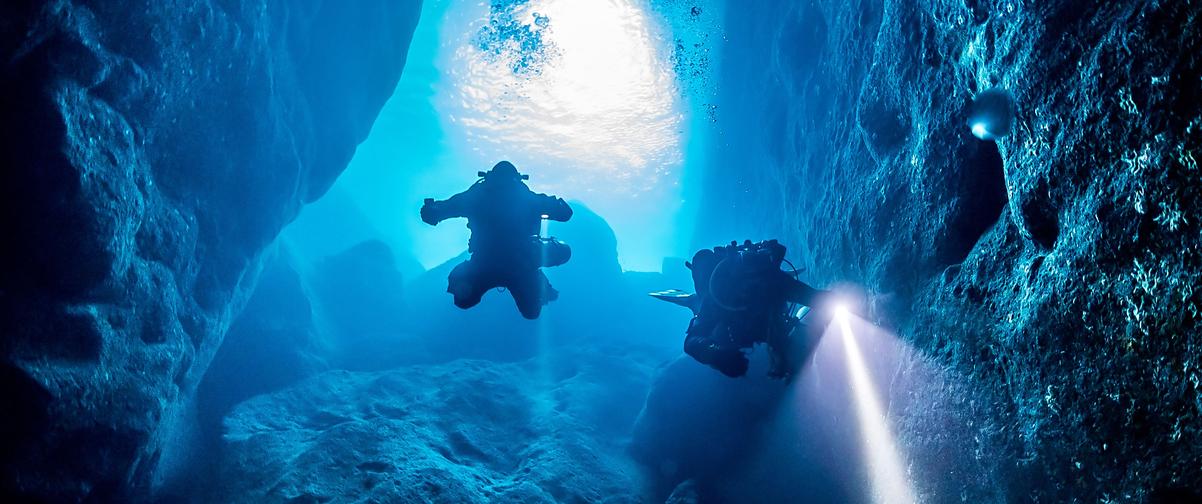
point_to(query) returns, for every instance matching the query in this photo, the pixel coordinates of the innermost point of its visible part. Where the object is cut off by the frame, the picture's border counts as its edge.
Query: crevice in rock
(1037, 217)
(979, 9)
(982, 196)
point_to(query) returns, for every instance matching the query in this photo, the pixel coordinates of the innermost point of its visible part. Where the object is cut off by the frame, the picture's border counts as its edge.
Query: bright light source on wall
(980, 131)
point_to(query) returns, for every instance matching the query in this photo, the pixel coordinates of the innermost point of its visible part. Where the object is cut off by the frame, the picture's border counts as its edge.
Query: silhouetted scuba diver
(744, 297)
(506, 250)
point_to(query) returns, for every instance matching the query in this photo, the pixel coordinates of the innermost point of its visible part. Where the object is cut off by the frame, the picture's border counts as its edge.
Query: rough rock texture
(464, 431)
(152, 149)
(1054, 275)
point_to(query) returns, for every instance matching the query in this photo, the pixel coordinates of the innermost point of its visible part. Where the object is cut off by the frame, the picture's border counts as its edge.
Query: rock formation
(463, 431)
(1053, 274)
(152, 149)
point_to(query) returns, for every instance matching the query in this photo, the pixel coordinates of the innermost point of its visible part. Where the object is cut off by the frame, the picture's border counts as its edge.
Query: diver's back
(504, 219)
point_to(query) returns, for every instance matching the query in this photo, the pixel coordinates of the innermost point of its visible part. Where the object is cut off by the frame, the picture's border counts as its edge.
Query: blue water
(604, 103)
(235, 264)
(630, 110)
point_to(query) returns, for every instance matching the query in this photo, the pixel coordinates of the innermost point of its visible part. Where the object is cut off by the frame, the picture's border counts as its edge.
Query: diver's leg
(780, 346)
(467, 284)
(530, 292)
(700, 345)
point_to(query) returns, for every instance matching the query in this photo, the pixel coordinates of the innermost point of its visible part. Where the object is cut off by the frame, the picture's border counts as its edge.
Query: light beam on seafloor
(886, 469)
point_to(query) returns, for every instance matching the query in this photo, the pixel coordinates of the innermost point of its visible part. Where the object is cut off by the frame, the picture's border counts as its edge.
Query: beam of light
(543, 329)
(886, 469)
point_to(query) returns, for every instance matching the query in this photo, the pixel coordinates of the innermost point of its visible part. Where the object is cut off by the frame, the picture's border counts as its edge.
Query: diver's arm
(458, 205)
(554, 208)
(800, 292)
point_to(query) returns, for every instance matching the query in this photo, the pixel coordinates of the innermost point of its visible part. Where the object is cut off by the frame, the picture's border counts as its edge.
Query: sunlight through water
(581, 95)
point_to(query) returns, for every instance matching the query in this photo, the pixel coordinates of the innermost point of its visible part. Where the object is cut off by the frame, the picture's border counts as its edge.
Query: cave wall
(152, 150)
(1053, 275)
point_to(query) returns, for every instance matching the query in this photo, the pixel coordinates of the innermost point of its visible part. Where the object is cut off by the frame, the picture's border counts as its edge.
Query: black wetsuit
(752, 307)
(505, 217)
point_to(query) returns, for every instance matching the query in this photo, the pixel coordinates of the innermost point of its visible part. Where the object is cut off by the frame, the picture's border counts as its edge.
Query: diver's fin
(679, 298)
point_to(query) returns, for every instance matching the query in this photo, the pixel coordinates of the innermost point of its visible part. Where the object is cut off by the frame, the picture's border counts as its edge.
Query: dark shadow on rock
(21, 425)
(1035, 214)
(272, 344)
(698, 424)
(980, 190)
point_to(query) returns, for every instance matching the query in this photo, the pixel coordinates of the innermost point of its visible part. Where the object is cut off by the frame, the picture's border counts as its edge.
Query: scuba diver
(743, 298)
(506, 249)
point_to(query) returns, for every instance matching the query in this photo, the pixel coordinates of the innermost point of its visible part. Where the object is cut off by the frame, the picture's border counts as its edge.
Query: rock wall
(1054, 274)
(152, 149)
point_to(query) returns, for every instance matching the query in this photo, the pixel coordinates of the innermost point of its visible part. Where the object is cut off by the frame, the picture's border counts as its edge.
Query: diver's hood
(504, 169)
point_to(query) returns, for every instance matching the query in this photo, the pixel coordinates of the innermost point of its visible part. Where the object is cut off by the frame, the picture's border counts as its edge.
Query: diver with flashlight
(742, 298)
(506, 248)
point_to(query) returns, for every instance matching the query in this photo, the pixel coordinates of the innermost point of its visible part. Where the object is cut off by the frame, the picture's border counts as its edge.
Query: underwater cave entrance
(588, 98)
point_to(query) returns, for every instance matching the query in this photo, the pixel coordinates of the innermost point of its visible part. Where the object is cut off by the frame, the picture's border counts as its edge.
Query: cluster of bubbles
(509, 38)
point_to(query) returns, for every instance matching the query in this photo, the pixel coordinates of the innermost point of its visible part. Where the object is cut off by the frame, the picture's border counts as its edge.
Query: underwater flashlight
(842, 311)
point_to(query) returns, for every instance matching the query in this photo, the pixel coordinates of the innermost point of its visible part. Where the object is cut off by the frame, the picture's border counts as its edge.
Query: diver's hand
(733, 364)
(429, 208)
